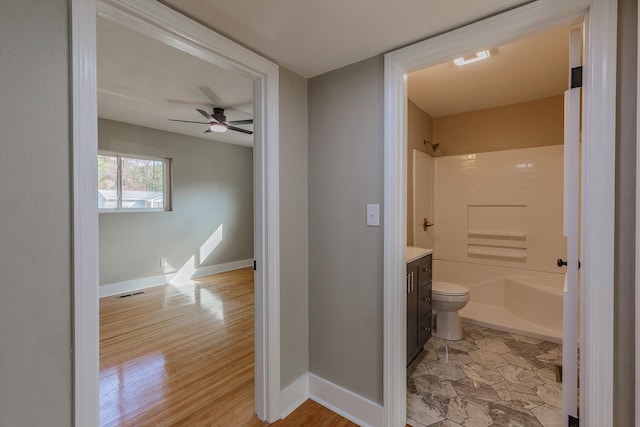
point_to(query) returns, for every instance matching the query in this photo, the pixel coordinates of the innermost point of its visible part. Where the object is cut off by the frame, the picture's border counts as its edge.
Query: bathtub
(513, 300)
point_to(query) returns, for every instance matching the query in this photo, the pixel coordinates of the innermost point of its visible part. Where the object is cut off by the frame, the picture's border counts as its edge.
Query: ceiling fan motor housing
(218, 114)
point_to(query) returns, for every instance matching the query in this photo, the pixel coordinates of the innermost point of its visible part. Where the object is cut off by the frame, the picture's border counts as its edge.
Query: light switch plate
(373, 215)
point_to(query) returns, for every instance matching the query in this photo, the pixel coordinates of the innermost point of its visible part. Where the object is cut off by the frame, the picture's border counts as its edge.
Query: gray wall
(419, 128)
(341, 253)
(212, 187)
(294, 228)
(345, 256)
(345, 281)
(624, 336)
(35, 215)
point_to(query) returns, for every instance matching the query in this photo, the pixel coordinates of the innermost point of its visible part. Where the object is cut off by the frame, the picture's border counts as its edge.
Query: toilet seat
(448, 289)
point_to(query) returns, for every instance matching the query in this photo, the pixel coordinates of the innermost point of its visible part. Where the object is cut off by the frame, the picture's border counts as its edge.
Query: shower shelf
(497, 252)
(519, 235)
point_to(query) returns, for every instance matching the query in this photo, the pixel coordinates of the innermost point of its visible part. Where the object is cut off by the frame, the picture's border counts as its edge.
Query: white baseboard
(134, 285)
(353, 407)
(162, 279)
(294, 395)
(221, 268)
(346, 403)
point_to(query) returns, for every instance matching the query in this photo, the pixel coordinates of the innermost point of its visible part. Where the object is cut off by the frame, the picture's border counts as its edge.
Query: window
(132, 183)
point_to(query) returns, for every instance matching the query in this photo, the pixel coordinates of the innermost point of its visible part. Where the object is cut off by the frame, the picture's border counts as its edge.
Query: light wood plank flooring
(184, 356)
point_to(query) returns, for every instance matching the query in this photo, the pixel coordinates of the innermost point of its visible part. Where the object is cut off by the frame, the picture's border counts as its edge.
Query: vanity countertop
(414, 253)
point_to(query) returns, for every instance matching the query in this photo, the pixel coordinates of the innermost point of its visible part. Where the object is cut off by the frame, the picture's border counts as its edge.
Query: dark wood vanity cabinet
(418, 305)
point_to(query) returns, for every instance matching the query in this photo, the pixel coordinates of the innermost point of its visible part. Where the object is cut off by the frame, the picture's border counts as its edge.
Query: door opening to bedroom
(176, 235)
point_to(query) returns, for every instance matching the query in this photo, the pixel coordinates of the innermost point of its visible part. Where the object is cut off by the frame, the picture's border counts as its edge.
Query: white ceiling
(313, 37)
(529, 69)
(146, 82)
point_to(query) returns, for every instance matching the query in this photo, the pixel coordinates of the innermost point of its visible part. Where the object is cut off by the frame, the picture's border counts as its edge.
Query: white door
(423, 236)
(571, 231)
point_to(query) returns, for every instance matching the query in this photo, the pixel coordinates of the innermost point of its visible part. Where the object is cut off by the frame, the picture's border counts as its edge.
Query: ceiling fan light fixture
(479, 56)
(218, 127)
(218, 122)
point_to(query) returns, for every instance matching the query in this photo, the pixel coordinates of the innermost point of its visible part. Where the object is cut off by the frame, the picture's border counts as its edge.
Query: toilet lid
(446, 288)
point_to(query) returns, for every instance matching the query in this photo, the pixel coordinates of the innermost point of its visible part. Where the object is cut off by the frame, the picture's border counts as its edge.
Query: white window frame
(166, 182)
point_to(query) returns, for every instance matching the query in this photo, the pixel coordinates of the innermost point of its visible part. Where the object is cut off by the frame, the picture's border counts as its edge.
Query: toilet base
(448, 326)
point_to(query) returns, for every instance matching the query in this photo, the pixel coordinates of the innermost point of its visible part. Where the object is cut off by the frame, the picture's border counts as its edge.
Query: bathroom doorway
(485, 192)
(405, 60)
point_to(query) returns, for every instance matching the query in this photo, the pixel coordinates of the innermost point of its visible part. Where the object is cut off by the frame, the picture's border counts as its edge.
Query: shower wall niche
(501, 208)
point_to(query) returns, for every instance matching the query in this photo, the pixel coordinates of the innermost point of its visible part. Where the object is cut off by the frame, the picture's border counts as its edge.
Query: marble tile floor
(489, 378)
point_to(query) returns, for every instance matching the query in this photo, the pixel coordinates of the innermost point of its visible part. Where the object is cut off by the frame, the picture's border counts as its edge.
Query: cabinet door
(425, 299)
(425, 328)
(412, 311)
(425, 270)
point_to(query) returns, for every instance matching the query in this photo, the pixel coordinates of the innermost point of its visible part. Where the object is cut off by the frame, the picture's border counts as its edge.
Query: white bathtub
(524, 302)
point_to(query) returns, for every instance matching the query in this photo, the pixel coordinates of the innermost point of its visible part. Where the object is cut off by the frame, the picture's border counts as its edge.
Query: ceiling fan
(217, 122)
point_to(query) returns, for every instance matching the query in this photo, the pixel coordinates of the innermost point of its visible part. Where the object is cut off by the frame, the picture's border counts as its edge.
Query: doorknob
(426, 224)
(561, 263)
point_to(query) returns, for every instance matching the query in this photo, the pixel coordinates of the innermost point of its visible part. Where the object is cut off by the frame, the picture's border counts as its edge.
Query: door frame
(598, 178)
(164, 24)
(637, 236)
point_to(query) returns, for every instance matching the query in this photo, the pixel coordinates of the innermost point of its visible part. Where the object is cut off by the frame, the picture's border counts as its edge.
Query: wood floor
(183, 356)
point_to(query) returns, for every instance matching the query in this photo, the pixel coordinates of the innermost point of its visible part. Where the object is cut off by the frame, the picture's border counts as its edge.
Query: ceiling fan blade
(189, 121)
(204, 113)
(248, 132)
(189, 102)
(208, 130)
(240, 122)
(209, 93)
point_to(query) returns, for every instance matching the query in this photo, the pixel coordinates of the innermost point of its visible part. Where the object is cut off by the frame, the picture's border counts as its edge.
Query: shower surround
(498, 231)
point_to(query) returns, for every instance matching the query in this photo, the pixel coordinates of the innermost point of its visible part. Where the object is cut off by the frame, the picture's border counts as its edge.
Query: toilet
(447, 298)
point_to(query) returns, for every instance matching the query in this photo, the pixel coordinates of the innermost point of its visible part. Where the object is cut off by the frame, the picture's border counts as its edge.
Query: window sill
(132, 210)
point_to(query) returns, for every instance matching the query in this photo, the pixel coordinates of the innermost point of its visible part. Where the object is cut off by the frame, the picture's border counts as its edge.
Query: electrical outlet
(163, 262)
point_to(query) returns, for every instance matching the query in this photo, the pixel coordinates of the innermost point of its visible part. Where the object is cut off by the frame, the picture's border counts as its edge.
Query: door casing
(167, 26)
(598, 180)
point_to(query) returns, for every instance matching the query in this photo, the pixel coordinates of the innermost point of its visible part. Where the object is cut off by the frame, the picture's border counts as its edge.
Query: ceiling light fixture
(218, 127)
(479, 56)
